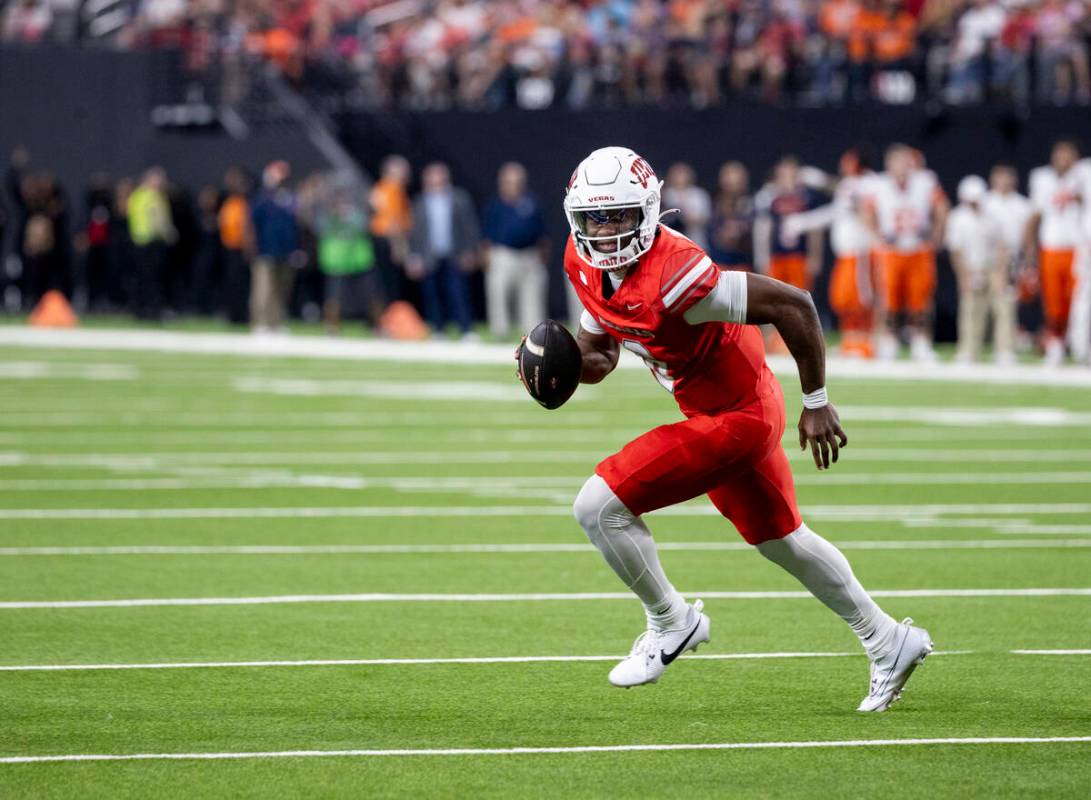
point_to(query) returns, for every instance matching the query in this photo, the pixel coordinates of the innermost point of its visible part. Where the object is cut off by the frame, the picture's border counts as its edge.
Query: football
(550, 364)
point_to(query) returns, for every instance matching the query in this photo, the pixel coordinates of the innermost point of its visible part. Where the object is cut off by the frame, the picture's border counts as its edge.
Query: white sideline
(552, 547)
(519, 751)
(499, 354)
(863, 513)
(390, 597)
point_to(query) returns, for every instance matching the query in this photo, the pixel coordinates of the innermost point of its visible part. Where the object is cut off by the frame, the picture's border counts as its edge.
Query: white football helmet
(613, 183)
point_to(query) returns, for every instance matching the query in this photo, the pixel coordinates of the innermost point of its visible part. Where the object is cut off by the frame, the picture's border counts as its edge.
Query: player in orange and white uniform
(852, 281)
(1053, 234)
(654, 292)
(908, 213)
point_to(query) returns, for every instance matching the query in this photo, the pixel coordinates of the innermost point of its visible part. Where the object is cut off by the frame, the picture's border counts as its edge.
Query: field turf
(264, 514)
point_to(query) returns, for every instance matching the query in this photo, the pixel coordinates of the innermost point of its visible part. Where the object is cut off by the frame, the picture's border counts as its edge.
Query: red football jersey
(709, 368)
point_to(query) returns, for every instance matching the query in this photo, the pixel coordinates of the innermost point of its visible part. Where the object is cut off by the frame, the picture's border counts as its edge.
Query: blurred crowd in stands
(430, 54)
(257, 249)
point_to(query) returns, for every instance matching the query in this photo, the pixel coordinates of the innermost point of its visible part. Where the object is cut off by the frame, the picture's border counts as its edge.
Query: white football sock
(627, 545)
(826, 573)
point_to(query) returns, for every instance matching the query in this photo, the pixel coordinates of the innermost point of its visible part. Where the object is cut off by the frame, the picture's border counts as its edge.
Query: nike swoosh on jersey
(633, 306)
(669, 657)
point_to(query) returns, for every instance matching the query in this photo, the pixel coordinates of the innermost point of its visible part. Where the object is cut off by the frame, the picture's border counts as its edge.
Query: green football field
(361, 578)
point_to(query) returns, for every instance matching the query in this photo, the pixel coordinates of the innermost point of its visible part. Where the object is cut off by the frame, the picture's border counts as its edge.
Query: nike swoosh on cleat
(669, 657)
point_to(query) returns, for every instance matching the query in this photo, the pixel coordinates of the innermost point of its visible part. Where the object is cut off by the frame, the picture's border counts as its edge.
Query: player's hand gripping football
(821, 428)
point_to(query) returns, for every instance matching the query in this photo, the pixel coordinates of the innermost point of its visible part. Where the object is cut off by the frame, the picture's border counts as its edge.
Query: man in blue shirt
(515, 233)
(276, 238)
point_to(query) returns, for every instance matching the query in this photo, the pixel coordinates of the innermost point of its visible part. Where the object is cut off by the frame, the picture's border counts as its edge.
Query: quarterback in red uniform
(654, 292)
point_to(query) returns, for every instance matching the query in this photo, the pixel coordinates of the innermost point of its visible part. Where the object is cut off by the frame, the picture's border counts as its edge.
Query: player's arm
(600, 351)
(791, 311)
(741, 297)
(941, 207)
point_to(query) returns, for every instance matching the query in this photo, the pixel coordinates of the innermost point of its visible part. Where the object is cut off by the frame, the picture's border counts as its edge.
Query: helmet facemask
(633, 232)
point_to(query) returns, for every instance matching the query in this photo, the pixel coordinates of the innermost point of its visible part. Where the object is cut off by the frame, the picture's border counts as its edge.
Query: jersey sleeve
(590, 324)
(725, 303)
(686, 279)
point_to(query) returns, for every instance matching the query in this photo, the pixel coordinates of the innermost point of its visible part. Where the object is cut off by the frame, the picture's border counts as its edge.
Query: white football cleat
(890, 671)
(653, 651)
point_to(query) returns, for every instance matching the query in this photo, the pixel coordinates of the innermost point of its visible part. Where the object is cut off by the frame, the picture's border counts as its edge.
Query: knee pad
(598, 509)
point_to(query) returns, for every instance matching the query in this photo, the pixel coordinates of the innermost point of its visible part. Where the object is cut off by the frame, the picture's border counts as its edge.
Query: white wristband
(816, 399)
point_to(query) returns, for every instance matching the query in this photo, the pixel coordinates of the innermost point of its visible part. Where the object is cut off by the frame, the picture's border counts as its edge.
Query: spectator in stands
(979, 30)
(347, 260)
(976, 246)
(829, 50)
(514, 234)
(730, 232)
(151, 231)
(276, 249)
(237, 241)
(26, 21)
(442, 249)
(680, 191)
(391, 221)
(1011, 53)
(1062, 54)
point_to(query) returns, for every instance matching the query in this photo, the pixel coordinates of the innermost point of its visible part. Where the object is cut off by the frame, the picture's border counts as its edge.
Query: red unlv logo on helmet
(642, 173)
(572, 180)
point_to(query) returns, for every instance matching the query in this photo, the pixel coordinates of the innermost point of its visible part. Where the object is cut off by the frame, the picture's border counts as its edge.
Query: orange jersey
(710, 367)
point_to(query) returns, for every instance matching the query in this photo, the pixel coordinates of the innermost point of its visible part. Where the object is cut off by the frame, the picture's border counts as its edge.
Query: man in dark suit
(442, 249)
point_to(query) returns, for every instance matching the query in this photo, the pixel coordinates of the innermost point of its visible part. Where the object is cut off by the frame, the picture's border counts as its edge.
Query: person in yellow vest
(152, 231)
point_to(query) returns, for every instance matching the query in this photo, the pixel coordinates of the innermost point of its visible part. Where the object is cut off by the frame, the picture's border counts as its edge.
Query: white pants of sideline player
(1079, 318)
(978, 293)
(517, 275)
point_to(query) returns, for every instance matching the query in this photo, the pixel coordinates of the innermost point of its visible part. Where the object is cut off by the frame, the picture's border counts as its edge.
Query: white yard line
(383, 662)
(383, 597)
(522, 751)
(1052, 652)
(849, 513)
(573, 547)
(398, 662)
(509, 484)
(530, 455)
(314, 347)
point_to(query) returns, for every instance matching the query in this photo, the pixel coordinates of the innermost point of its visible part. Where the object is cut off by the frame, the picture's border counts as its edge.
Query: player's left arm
(747, 298)
(791, 311)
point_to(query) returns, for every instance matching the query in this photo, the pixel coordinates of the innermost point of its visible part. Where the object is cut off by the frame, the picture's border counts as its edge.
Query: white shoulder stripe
(691, 277)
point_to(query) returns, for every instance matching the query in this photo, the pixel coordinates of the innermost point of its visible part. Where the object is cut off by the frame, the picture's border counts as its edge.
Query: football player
(1053, 235)
(907, 215)
(651, 290)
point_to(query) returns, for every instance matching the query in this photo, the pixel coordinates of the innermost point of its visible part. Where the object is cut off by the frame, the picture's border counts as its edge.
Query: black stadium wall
(83, 111)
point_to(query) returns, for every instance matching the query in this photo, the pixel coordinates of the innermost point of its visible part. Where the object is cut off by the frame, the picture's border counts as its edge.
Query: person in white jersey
(1052, 236)
(907, 215)
(852, 281)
